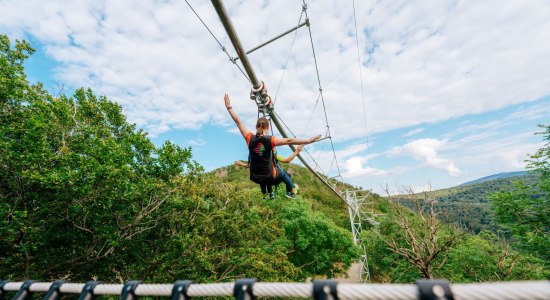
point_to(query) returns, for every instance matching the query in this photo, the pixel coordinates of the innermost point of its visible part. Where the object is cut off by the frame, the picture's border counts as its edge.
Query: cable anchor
(54, 292)
(243, 289)
(325, 290)
(129, 290)
(24, 292)
(88, 290)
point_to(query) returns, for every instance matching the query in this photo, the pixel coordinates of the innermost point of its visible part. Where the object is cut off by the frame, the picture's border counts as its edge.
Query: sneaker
(290, 195)
(271, 196)
(264, 196)
(296, 189)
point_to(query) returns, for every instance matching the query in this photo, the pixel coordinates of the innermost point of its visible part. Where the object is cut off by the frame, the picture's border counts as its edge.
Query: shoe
(290, 195)
(271, 196)
(264, 196)
(296, 189)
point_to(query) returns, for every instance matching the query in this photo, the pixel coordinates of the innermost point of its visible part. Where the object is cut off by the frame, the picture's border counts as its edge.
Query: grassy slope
(312, 190)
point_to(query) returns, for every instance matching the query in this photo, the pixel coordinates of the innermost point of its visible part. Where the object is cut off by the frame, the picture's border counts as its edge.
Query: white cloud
(424, 61)
(499, 155)
(425, 151)
(354, 168)
(533, 113)
(196, 143)
(414, 131)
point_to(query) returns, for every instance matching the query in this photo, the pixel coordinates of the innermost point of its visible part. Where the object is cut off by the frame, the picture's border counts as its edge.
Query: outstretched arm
(244, 131)
(240, 163)
(291, 157)
(295, 141)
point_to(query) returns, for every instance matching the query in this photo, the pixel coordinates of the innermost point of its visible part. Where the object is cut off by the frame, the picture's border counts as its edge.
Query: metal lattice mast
(359, 213)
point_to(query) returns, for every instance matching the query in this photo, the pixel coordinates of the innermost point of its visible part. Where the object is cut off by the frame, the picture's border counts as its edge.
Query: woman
(262, 164)
(291, 188)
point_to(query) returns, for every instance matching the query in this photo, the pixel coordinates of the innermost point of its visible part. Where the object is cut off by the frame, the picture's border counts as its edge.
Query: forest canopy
(85, 194)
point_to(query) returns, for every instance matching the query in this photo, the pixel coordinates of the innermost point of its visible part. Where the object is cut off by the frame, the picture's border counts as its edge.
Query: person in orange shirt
(262, 163)
(291, 188)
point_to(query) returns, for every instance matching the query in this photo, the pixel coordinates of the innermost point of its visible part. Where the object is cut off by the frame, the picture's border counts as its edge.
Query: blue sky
(453, 90)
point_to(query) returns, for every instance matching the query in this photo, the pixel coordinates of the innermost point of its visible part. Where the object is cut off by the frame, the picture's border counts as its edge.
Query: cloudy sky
(452, 90)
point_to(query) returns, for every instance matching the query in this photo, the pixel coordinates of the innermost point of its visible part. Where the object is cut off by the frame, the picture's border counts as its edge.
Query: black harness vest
(263, 167)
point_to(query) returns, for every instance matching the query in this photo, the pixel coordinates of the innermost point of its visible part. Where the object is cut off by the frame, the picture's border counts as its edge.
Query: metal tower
(359, 213)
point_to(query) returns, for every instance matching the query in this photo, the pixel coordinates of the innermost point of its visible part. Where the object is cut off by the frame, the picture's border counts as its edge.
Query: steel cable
(346, 291)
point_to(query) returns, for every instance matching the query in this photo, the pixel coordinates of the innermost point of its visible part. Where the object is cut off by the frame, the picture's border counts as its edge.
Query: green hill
(460, 263)
(496, 176)
(468, 206)
(312, 191)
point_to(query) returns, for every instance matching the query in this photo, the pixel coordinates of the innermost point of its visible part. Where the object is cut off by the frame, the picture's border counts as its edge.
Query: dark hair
(262, 124)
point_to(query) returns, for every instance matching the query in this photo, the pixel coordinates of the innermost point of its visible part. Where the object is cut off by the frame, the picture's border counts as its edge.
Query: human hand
(313, 139)
(227, 101)
(299, 148)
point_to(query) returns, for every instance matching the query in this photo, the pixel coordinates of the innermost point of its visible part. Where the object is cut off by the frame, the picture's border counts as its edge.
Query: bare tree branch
(424, 239)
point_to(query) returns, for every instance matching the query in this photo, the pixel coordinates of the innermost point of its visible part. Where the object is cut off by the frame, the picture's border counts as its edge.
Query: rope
(288, 57)
(321, 152)
(346, 291)
(305, 149)
(361, 78)
(284, 124)
(320, 88)
(219, 43)
(312, 112)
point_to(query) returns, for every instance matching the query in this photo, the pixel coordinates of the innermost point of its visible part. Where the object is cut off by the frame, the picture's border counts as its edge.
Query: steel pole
(228, 25)
(275, 38)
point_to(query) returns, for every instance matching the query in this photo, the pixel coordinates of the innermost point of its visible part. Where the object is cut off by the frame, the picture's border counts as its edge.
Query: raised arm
(240, 163)
(295, 141)
(244, 131)
(291, 157)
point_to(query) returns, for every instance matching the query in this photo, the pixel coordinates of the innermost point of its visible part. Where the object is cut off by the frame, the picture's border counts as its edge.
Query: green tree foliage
(84, 194)
(525, 211)
(469, 206)
(471, 258)
(315, 245)
(485, 257)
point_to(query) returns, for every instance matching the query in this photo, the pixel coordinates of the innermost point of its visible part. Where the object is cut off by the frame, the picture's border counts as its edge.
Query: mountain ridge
(494, 177)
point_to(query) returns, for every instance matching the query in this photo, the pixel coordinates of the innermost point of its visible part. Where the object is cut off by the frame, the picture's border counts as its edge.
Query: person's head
(261, 125)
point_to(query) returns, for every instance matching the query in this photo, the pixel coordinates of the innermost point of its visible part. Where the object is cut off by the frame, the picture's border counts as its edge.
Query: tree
(75, 177)
(398, 252)
(85, 194)
(525, 211)
(486, 257)
(424, 242)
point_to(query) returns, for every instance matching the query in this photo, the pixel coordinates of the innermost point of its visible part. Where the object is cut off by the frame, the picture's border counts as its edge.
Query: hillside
(312, 191)
(468, 205)
(496, 176)
(385, 265)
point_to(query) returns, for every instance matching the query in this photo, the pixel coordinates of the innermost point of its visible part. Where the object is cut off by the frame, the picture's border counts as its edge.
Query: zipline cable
(361, 78)
(317, 166)
(320, 88)
(218, 41)
(311, 115)
(310, 155)
(288, 56)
